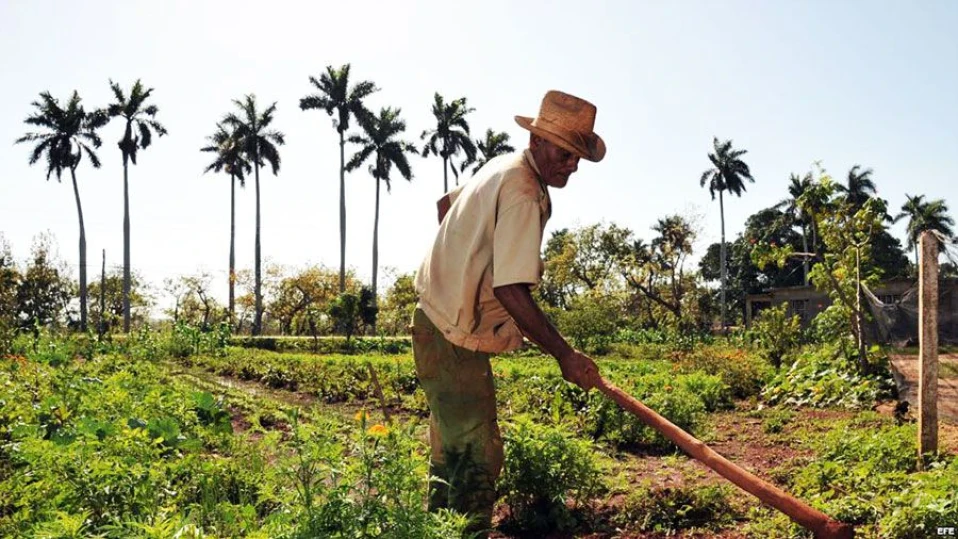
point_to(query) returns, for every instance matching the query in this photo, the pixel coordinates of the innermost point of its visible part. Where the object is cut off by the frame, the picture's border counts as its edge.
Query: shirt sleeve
(516, 243)
(454, 194)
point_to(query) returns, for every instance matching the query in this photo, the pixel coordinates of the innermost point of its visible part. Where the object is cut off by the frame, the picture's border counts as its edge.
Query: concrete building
(900, 297)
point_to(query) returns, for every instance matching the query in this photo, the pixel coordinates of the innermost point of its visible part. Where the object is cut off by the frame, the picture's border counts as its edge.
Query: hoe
(823, 526)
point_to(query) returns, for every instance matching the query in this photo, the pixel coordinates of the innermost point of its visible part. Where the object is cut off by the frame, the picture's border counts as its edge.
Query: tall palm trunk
(342, 213)
(232, 300)
(76, 194)
(445, 174)
(376, 248)
(126, 246)
(805, 258)
(101, 327)
(258, 317)
(722, 257)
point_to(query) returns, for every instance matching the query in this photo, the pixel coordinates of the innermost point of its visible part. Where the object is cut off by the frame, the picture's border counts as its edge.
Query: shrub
(671, 509)
(776, 419)
(590, 323)
(545, 467)
(744, 373)
(776, 333)
(606, 421)
(372, 487)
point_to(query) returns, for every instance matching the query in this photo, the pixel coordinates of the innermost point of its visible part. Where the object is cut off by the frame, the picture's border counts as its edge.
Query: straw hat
(567, 121)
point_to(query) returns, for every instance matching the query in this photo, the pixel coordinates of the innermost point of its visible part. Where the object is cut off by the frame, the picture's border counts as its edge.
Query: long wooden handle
(812, 519)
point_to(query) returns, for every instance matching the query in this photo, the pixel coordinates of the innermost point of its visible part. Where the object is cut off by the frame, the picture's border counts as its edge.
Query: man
(475, 300)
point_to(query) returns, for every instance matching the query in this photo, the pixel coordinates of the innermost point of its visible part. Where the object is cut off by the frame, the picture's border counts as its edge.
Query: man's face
(555, 163)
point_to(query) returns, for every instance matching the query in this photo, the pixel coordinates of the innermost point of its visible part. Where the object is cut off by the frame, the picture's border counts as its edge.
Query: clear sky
(852, 82)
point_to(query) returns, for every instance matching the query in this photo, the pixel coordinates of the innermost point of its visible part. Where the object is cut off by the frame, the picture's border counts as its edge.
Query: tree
(337, 97)
(493, 145)
(380, 139)
(657, 269)
(349, 310)
(115, 299)
(845, 264)
(139, 124)
(68, 135)
(230, 159)
(296, 292)
(194, 302)
(922, 216)
(398, 305)
(258, 142)
(728, 173)
(887, 256)
(450, 136)
(796, 188)
(859, 187)
(44, 289)
(9, 283)
(770, 226)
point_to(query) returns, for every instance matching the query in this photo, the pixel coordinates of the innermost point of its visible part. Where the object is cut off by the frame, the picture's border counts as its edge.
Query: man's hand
(577, 367)
(580, 369)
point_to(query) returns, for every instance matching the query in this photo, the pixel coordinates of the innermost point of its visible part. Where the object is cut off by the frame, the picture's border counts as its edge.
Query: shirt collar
(532, 162)
(535, 168)
(545, 201)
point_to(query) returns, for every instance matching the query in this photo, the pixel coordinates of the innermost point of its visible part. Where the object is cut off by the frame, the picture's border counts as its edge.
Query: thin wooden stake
(102, 325)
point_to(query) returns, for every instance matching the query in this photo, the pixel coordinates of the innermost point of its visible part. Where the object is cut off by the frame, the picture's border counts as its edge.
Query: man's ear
(534, 141)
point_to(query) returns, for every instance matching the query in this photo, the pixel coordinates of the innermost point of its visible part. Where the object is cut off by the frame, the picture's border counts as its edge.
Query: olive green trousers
(466, 448)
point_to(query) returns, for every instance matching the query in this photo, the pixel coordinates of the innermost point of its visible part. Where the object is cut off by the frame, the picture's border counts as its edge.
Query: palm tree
(493, 145)
(138, 134)
(258, 145)
(450, 136)
(860, 186)
(230, 159)
(381, 137)
(68, 134)
(728, 173)
(922, 216)
(797, 187)
(337, 97)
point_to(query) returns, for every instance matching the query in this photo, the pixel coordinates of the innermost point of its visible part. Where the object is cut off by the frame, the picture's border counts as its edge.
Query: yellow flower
(360, 415)
(378, 430)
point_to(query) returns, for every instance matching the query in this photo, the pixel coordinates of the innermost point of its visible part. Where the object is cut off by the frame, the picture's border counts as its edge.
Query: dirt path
(905, 370)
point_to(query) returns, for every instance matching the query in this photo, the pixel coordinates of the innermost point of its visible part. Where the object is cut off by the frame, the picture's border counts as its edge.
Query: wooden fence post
(928, 344)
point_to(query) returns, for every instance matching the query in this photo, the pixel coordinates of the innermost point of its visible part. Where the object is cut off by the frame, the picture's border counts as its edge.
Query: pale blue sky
(873, 83)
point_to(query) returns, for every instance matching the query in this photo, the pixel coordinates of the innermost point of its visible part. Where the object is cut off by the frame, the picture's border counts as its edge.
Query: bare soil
(905, 370)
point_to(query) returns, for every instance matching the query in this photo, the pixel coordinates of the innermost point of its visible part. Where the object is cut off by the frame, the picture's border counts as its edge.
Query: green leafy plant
(544, 467)
(822, 377)
(777, 334)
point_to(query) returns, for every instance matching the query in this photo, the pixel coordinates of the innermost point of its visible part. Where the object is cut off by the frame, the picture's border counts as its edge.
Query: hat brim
(593, 148)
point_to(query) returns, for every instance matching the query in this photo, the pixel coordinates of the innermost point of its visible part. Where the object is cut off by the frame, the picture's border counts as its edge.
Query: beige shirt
(491, 236)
